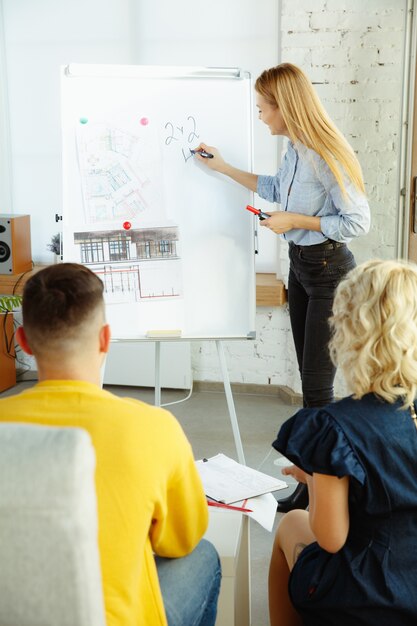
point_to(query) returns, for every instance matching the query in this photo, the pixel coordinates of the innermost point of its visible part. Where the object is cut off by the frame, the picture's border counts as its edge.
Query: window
(119, 250)
(92, 252)
(164, 247)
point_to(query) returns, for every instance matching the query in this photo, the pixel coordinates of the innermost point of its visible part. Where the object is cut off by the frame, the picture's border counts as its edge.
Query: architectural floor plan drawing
(134, 265)
(160, 279)
(119, 173)
(137, 282)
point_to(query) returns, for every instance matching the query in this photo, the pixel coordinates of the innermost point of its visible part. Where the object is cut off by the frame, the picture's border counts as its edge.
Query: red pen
(222, 505)
(258, 212)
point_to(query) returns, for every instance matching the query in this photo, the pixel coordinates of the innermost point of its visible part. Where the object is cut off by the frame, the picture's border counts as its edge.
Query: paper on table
(227, 481)
(263, 510)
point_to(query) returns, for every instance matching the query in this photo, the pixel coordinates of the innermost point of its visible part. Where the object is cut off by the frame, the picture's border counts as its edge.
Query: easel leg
(230, 403)
(157, 373)
(102, 371)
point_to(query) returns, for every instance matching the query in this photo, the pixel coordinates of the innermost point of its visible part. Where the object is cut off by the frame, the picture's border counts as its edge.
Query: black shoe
(297, 500)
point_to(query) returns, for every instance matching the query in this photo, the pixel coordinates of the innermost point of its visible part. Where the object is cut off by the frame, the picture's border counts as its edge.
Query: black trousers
(315, 272)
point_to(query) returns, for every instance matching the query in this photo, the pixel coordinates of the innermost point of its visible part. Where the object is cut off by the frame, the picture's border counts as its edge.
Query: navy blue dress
(372, 580)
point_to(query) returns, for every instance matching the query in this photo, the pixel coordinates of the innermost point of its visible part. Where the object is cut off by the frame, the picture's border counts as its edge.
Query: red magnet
(127, 225)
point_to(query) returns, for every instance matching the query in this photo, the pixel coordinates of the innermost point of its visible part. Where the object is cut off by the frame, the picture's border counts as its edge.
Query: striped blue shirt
(306, 185)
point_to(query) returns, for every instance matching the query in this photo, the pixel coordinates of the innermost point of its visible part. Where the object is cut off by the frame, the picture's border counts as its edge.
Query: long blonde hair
(374, 327)
(287, 87)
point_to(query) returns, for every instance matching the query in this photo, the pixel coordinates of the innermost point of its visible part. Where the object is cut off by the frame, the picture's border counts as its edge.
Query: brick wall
(353, 52)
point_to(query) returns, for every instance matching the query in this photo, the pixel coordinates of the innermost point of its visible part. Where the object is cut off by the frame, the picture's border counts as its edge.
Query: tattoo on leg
(298, 548)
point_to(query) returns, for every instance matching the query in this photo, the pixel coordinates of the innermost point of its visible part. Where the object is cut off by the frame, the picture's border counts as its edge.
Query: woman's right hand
(296, 472)
(217, 163)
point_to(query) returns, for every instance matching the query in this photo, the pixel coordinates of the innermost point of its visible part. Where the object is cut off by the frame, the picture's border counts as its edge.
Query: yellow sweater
(150, 497)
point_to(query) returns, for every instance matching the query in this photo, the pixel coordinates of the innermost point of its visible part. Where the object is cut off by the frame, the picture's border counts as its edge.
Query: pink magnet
(127, 225)
(144, 121)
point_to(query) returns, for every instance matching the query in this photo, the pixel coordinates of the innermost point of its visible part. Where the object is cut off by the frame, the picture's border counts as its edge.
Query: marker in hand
(258, 212)
(203, 153)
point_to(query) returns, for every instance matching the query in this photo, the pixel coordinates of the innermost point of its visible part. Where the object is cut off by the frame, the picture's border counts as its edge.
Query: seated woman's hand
(296, 472)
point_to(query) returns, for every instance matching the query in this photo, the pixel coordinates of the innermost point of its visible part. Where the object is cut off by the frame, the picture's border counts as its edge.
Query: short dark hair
(57, 300)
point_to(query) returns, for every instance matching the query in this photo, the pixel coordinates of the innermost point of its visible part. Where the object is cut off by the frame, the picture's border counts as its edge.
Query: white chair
(49, 559)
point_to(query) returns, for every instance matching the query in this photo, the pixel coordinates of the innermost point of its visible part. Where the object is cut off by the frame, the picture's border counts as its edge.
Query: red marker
(260, 214)
(222, 505)
(127, 225)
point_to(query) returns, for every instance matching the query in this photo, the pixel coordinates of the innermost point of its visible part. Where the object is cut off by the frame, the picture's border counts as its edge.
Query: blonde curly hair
(374, 327)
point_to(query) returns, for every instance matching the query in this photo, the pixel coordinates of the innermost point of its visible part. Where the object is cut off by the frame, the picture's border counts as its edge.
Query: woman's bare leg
(292, 536)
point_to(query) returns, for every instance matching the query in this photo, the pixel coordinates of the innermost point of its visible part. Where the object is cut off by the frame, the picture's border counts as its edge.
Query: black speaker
(15, 248)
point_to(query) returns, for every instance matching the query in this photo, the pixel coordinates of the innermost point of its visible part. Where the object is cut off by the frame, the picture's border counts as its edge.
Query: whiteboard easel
(227, 391)
(171, 242)
(226, 384)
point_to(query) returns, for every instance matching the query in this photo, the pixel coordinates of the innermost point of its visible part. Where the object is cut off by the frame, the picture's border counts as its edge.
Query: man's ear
(105, 336)
(22, 341)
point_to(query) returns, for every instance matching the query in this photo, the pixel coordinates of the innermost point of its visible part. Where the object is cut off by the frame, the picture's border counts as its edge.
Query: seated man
(150, 497)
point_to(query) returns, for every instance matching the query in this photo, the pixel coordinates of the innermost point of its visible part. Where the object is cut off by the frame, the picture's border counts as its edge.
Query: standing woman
(323, 206)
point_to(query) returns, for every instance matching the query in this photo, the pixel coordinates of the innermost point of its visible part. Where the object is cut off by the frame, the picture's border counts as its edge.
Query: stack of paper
(227, 481)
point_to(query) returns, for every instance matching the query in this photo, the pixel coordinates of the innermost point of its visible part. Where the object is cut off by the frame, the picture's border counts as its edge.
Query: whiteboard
(171, 240)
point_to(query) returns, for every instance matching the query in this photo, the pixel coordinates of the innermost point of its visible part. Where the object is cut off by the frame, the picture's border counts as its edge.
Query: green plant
(56, 244)
(10, 303)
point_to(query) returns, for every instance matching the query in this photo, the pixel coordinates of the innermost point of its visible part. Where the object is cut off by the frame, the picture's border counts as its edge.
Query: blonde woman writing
(323, 206)
(357, 545)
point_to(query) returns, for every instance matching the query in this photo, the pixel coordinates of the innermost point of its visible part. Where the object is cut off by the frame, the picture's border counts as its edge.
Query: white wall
(42, 35)
(6, 199)
(353, 51)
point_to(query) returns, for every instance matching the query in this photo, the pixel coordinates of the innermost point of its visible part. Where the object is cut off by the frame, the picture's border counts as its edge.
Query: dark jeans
(314, 274)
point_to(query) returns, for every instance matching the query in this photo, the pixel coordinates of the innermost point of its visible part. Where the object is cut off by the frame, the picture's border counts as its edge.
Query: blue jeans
(190, 586)
(315, 272)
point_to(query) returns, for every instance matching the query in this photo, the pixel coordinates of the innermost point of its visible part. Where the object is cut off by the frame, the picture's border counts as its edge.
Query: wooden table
(11, 284)
(270, 291)
(7, 353)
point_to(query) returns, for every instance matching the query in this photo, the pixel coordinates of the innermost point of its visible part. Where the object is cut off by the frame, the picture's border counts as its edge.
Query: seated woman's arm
(328, 506)
(328, 510)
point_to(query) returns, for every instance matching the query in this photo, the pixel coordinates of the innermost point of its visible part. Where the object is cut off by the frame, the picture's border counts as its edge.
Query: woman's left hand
(296, 472)
(279, 222)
